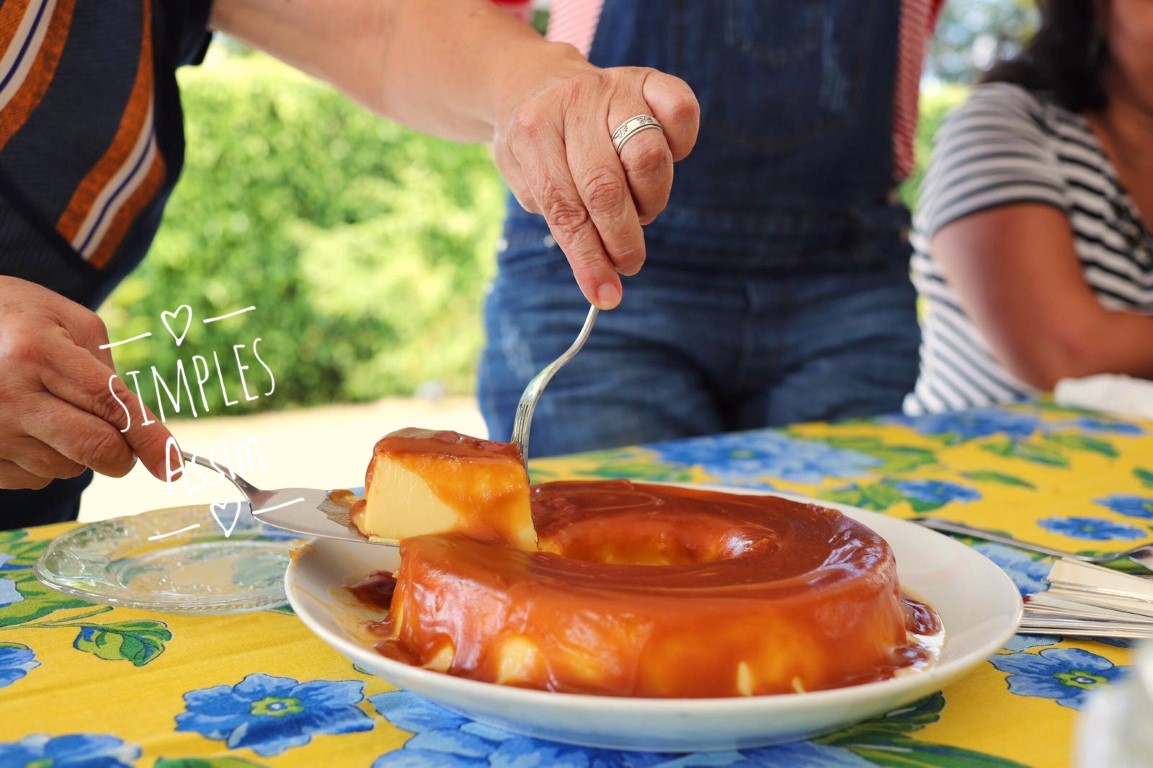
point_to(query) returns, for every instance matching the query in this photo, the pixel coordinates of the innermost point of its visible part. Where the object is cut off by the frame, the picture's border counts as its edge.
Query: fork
(1142, 554)
(528, 400)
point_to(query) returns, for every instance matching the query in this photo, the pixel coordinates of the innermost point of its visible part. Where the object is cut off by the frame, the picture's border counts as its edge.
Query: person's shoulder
(1007, 96)
(996, 114)
(994, 149)
(1001, 103)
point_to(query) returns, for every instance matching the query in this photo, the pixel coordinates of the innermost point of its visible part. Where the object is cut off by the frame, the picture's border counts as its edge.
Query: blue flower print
(1129, 506)
(1066, 675)
(1090, 424)
(16, 660)
(961, 426)
(5, 559)
(271, 714)
(1091, 528)
(8, 592)
(1027, 572)
(935, 492)
(443, 739)
(73, 750)
(1022, 642)
(747, 458)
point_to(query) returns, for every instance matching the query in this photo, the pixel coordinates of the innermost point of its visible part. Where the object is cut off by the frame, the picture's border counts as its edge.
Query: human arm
(1017, 276)
(467, 71)
(61, 406)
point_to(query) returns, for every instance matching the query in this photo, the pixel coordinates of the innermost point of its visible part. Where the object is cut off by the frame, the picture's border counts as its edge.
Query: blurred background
(364, 250)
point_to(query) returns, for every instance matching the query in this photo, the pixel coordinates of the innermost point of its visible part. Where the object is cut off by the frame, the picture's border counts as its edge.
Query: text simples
(237, 374)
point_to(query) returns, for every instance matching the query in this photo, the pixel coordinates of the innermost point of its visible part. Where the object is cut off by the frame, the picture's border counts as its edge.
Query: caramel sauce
(342, 497)
(375, 590)
(487, 511)
(659, 591)
(438, 444)
(920, 618)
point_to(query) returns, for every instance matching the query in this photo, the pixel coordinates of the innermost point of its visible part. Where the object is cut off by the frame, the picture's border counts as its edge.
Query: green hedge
(934, 104)
(364, 247)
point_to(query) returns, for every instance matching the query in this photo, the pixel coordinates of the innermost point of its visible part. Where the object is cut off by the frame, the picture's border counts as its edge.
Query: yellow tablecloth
(84, 684)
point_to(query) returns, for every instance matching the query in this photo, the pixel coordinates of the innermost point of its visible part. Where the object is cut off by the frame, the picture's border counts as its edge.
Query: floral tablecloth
(84, 684)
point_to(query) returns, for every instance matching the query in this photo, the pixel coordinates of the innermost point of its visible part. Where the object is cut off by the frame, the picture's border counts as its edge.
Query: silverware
(528, 400)
(312, 512)
(1142, 554)
(309, 511)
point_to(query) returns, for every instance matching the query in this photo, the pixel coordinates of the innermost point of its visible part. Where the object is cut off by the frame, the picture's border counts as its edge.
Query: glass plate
(180, 560)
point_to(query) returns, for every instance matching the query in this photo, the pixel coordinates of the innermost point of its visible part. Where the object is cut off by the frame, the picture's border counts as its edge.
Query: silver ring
(632, 127)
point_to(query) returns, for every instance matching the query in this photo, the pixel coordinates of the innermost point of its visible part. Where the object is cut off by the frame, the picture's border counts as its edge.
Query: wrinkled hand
(58, 412)
(554, 147)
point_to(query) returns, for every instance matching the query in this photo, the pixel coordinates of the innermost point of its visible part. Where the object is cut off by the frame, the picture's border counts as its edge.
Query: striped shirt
(1005, 146)
(91, 136)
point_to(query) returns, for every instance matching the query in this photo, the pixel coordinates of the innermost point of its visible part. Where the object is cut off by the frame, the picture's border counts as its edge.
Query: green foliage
(973, 35)
(364, 247)
(935, 103)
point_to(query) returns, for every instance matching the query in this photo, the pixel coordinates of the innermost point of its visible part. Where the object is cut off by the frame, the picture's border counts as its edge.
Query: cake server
(309, 511)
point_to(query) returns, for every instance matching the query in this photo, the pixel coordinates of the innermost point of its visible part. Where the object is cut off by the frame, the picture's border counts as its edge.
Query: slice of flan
(424, 481)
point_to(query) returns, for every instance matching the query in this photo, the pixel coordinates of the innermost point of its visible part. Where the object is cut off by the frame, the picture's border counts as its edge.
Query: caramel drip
(660, 591)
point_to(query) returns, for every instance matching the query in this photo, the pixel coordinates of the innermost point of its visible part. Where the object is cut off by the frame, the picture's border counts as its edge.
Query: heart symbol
(220, 507)
(165, 316)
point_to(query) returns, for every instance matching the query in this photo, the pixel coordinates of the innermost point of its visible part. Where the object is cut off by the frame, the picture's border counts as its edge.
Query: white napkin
(1107, 392)
(1089, 600)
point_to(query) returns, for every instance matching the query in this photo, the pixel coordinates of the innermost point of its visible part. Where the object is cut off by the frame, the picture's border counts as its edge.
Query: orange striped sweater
(91, 140)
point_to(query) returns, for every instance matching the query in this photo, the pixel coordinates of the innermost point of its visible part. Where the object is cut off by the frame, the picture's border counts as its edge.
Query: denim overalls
(776, 287)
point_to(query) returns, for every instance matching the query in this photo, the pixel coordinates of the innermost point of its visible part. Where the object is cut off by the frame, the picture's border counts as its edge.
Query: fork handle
(980, 533)
(522, 422)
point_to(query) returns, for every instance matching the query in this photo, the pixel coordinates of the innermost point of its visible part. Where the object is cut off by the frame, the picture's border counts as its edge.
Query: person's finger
(646, 161)
(12, 476)
(540, 151)
(78, 379)
(511, 172)
(673, 103)
(40, 459)
(604, 189)
(88, 332)
(65, 383)
(648, 165)
(81, 437)
(151, 444)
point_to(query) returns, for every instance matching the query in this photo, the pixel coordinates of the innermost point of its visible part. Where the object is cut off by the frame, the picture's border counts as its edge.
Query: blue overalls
(776, 287)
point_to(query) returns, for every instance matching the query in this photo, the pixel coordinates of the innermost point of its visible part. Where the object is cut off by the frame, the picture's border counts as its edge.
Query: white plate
(978, 605)
(179, 560)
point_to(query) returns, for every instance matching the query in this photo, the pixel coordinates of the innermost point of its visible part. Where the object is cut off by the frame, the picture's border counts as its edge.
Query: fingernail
(608, 296)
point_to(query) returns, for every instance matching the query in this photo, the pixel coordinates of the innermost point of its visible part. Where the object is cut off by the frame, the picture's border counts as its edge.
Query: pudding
(658, 591)
(422, 481)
